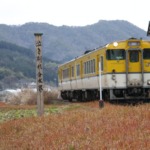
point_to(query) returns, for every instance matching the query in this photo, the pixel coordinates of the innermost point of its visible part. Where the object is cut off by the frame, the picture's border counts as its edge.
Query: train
(119, 70)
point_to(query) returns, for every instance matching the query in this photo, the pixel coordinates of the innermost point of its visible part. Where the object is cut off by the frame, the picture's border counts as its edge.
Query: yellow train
(124, 70)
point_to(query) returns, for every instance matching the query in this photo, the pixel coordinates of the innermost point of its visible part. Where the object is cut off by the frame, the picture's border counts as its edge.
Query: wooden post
(39, 74)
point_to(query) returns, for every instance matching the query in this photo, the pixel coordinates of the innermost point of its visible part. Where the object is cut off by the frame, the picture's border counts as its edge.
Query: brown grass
(114, 127)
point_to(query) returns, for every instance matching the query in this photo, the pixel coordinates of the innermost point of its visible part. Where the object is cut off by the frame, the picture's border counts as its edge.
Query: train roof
(85, 53)
(101, 47)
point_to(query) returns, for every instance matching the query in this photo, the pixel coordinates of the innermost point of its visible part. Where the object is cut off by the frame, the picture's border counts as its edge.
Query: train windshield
(115, 54)
(134, 56)
(146, 54)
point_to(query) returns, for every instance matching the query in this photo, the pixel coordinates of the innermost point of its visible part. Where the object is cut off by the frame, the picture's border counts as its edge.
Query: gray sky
(74, 12)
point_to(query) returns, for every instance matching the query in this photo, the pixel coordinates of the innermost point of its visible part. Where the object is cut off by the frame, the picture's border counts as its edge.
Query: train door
(134, 68)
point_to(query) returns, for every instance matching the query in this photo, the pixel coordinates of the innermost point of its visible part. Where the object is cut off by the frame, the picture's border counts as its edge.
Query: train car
(125, 72)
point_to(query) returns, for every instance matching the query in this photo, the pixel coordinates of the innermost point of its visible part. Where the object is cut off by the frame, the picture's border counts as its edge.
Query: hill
(17, 66)
(17, 46)
(64, 42)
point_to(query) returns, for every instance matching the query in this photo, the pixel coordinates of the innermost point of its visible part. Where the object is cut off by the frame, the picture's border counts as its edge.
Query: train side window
(72, 71)
(89, 66)
(65, 73)
(93, 66)
(146, 54)
(78, 70)
(84, 67)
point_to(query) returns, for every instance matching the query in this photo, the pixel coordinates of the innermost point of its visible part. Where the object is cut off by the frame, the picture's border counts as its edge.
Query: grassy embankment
(76, 126)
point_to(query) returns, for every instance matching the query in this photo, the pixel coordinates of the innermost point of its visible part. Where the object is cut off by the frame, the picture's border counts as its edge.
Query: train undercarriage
(136, 93)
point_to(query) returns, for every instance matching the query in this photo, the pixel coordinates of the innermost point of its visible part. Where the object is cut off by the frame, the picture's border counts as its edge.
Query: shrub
(50, 95)
(29, 97)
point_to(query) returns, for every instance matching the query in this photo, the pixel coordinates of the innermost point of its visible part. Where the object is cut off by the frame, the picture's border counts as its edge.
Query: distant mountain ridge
(64, 42)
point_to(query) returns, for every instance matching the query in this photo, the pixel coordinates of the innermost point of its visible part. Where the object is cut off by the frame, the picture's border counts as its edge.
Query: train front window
(146, 54)
(115, 54)
(134, 56)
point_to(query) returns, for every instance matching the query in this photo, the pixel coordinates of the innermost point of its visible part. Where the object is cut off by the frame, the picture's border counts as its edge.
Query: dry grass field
(75, 126)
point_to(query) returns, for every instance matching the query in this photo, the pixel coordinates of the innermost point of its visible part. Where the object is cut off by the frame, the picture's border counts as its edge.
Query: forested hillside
(64, 42)
(17, 66)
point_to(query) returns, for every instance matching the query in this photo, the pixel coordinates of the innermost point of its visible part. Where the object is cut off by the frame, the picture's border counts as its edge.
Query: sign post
(101, 102)
(39, 74)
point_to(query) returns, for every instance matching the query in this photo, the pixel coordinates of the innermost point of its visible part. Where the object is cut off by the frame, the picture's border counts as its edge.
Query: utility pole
(39, 74)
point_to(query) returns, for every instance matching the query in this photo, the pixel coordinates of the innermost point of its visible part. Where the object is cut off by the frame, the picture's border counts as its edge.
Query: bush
(50, 95)
(29, 97)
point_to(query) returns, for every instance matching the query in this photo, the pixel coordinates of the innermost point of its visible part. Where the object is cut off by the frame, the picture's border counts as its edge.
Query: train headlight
(148, 82)
(115, 44)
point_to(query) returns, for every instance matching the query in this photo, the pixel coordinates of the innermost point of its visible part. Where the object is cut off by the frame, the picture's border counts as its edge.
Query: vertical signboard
(39, 74)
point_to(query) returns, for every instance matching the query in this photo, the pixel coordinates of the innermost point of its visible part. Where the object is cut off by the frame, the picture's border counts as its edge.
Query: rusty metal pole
(39, 74)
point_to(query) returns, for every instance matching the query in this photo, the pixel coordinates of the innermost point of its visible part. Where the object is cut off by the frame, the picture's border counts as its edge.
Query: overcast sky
(74, 12)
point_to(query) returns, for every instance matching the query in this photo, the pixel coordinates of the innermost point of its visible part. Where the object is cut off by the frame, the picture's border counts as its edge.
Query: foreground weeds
(13, 112)
(80, 126)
